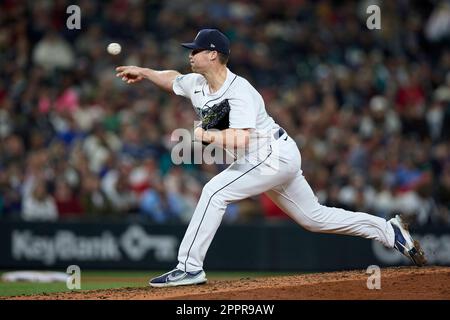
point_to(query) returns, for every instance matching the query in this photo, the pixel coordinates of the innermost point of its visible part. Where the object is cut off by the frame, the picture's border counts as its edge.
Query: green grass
(94, 280)
(15, 289)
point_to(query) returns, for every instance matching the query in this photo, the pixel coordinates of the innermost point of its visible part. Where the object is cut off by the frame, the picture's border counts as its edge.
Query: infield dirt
(402, 283)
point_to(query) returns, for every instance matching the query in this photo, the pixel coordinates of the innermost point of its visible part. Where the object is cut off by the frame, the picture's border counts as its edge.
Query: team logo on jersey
(202, 112)
(198, 111)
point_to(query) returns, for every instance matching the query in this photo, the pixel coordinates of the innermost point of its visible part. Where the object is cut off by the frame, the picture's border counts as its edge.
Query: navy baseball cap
(210, 39)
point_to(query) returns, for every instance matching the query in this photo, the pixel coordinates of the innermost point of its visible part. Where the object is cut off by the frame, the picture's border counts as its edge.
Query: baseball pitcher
(271, 163)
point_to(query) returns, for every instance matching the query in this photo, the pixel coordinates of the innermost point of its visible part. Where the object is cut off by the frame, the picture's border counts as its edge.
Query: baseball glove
(217, 116)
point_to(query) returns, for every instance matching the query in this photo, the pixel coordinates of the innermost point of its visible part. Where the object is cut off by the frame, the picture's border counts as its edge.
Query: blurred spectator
(144, 175)
(95, 203)
(98, 147)
(116, 185)
(53, 52)
(357, 195)
(161, 206)
(11, 180)
(438, 24)
(12, 151)
(39, 205)
(67, 202)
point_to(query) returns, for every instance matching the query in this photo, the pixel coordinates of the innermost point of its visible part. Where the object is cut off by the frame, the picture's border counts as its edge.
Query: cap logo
(212, 46)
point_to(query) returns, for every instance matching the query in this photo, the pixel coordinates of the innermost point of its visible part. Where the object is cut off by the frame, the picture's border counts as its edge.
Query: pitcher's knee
(214, 194)
(209, 189)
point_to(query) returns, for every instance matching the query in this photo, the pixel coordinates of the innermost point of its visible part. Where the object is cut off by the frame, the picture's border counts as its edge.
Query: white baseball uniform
(272, 165)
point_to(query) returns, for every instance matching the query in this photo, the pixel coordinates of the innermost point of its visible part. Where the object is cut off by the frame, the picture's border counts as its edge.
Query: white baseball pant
(276, 171)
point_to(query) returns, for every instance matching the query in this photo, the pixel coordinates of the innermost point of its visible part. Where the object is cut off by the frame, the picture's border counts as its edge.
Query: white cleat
(178, 277)
(405, 244)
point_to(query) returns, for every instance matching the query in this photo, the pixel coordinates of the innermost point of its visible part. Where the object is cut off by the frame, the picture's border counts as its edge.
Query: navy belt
(279, 133)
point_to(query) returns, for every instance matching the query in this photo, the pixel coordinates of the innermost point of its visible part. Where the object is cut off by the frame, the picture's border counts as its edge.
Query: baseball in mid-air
(114, 48)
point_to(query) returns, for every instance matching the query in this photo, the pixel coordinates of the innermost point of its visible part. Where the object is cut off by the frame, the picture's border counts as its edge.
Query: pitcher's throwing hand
(129, 74)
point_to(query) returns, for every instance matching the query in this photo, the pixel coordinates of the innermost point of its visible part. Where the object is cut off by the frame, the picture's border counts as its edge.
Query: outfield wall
(264, 247)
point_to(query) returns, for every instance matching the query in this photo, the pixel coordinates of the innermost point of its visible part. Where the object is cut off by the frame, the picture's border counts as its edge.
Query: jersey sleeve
(243, 111)
(183, 84)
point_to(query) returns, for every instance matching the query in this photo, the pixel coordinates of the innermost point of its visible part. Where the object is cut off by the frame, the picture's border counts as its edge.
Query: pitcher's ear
(213, 55)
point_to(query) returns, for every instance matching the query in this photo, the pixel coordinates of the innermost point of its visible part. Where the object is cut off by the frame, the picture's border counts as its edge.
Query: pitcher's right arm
(163, 79)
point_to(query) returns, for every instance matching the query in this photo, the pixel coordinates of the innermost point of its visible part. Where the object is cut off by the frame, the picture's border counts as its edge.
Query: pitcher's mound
(402, 283)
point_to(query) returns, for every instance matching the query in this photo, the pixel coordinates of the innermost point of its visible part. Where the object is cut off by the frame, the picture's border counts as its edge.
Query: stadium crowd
(369, 109)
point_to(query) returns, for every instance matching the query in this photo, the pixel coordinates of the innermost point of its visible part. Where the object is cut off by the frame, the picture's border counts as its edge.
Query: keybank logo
(67, 245)
(136, 242)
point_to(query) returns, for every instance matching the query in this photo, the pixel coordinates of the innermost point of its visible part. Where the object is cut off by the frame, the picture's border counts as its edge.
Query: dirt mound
(396, 283)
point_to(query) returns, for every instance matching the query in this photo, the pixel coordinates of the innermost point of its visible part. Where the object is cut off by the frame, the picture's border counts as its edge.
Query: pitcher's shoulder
(194, 78)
